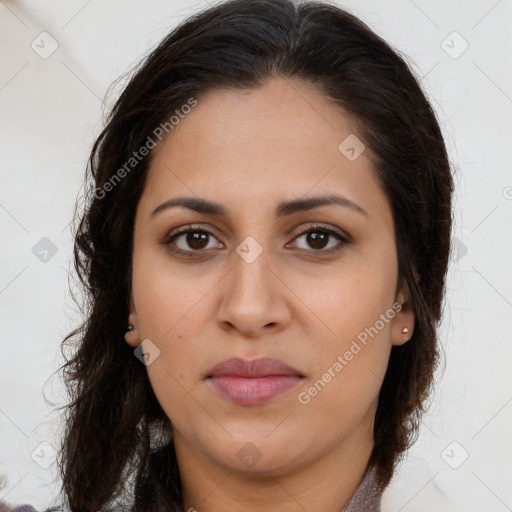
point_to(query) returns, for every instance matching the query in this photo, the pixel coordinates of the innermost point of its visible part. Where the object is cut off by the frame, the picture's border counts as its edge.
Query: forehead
(282, 117)
(265, 144)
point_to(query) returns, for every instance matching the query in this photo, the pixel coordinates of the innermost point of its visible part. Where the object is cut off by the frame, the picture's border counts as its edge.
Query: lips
(253, 382)
(262, 367)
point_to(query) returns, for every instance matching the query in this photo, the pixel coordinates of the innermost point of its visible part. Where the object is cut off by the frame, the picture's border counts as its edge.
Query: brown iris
(317, 239)
(197, 240)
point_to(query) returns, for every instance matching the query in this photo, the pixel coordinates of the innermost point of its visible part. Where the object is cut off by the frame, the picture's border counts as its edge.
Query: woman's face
(273, 272)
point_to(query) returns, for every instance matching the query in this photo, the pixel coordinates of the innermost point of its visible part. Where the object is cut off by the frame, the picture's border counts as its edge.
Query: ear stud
(405, 332)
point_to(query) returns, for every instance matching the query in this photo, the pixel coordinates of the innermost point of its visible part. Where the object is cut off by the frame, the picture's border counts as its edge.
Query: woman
(264, 248)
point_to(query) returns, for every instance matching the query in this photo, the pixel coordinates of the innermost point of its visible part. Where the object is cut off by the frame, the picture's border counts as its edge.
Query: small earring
(405, 331)
(130, 327)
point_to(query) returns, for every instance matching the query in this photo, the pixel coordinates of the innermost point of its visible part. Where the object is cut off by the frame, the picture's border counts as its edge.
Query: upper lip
(261, 367)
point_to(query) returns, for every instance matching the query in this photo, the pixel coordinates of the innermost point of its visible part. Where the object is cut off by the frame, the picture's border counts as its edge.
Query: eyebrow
(283, 209)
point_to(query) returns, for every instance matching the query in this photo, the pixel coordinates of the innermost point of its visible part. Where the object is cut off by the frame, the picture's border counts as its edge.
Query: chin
(256, 458)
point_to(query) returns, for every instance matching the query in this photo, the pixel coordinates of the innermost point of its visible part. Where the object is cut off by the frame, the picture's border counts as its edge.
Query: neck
(325, 484)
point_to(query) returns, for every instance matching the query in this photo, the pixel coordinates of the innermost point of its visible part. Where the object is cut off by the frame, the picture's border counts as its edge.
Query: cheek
(170, 312)
(174, 319)
(174, 376)
(352, 353)
(350, 364)
(347, 306)
(167, 297)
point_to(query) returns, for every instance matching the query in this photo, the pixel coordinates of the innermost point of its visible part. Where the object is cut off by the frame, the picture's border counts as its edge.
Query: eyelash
(317, 228)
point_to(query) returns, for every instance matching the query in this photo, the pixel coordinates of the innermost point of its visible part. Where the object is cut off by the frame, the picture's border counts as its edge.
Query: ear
(132, 336)
(403, 323)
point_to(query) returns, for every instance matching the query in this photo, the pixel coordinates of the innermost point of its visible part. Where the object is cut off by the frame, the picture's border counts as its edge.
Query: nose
(253, 299)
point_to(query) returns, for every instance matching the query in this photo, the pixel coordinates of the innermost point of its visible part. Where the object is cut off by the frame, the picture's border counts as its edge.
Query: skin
(250, 150)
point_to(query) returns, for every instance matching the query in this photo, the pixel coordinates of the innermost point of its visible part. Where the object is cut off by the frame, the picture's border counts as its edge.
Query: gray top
(367, 497)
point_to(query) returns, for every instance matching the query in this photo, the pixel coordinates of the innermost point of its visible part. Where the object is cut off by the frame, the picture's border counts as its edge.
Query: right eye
(188, 240)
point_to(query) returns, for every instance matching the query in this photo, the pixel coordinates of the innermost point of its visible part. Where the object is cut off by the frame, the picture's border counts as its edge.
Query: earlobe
(131, 335)
(404, 338)
(402, 331)
(403, 323)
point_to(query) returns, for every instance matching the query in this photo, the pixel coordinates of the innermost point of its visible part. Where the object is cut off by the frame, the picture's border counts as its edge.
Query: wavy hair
(117, 446)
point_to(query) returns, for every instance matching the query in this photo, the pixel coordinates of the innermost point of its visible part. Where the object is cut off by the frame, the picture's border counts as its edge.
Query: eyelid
(189, 227)
(186, 229)
(324, 227)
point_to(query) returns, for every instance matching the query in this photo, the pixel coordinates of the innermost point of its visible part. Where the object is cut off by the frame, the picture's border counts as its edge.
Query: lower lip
(253, 390)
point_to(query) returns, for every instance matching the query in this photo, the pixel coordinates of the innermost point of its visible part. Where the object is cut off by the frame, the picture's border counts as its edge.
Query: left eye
(319, 239)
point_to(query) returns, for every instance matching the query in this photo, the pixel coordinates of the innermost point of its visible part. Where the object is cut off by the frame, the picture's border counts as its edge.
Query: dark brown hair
(108, 451)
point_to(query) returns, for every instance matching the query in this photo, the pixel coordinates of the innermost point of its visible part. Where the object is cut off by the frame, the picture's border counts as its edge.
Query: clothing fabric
(367, 497)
